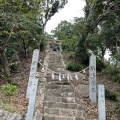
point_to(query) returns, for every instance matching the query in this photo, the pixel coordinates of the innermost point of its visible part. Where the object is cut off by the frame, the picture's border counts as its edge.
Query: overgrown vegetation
(113, 73)
(22, 25)
(9, 90)
(73, 66)
(111, 95)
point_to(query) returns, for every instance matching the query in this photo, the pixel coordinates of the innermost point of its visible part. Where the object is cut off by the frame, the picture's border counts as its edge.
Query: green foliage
(49, 9)
(73, 66)
(9, 90)
(69, 32)
(111, 95)
(102, 23)
(113, 72)
(22, 28)
(100, 65)
(115, 59)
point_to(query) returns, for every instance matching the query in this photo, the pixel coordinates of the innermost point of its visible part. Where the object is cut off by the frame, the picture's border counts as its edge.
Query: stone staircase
(56, 100)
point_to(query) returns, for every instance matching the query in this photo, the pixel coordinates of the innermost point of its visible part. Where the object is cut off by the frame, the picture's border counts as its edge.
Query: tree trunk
(80, 51)
(5, 64)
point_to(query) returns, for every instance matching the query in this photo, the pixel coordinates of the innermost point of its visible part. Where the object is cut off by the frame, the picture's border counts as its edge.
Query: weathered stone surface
(48, 117)
(61, 105)
(67, 112)
(53, 98)
(54, 111)
(83, 90)
(68, 100)
(5, 115)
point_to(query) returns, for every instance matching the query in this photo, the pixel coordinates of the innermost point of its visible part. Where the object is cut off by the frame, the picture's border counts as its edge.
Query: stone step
(52, 82)
(63, 115)
(59, 99)
(56, 78)
(60, 90)
(54, 59)
(61, 112)
(51, 117)
(61, 105)
(54, 85)
(60, 94)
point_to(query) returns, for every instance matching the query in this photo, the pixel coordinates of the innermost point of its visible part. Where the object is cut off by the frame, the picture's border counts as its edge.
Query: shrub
(73, 66)
(111, 95)
(113, 72)
(9, 90)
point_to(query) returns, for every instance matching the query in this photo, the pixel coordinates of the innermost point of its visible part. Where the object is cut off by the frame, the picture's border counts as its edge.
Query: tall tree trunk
(80, 51)
(5, 64)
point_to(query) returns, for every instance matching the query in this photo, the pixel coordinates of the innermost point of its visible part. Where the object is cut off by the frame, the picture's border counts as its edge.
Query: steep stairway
(58, 99)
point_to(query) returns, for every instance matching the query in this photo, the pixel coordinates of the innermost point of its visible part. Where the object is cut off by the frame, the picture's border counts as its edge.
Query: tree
(64, 32)
(13, 27)
(48, 9)
(96, 13)
(22, 25)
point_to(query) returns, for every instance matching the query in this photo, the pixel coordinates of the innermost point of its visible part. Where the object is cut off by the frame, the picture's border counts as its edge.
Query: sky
(74, 8)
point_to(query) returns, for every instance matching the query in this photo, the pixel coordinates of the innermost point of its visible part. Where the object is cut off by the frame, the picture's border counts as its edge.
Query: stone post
(92, 78)
(32, 71)
(30, 111)
(101, 103)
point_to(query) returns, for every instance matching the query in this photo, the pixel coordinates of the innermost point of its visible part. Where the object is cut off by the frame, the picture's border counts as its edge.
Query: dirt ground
(18, 102)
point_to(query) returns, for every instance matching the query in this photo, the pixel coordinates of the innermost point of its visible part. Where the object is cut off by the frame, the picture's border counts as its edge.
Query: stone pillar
(30, 111)
(101, 103)
(92, 78)
(32, 71)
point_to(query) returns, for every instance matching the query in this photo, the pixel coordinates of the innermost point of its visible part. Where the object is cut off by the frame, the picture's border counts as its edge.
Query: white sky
(74, 8)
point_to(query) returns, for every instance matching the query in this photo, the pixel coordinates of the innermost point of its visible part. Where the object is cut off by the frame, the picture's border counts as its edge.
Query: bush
(9, 90)
(73, 66)
(113, 72)
(111, 95)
